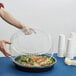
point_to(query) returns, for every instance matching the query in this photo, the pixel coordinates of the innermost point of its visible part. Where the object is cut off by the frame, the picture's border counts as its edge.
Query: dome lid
(35, 43)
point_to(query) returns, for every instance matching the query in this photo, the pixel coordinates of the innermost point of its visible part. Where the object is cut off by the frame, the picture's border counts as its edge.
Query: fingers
(7, 42)
(1, 5)
(32, 30)
(6, 53)
(4, 50)
(3, 47)
(27, 30)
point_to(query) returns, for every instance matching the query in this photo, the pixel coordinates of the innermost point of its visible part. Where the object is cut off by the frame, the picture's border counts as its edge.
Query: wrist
(24, 30)
(23, 26)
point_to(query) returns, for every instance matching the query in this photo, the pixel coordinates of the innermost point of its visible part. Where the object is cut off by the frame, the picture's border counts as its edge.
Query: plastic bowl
(33, 68)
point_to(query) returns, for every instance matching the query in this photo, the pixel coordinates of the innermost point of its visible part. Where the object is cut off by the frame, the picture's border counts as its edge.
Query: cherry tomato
(27, 64)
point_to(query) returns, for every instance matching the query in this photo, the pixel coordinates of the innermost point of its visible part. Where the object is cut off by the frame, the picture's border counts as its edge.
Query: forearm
(5, 15)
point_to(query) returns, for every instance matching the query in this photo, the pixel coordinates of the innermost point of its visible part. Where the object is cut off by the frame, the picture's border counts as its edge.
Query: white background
(54, 16)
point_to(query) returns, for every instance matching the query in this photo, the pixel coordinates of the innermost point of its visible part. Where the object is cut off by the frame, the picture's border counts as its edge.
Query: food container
(38, 43)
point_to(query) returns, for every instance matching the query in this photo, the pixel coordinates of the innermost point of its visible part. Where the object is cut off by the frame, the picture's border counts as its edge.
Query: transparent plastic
(36, 43)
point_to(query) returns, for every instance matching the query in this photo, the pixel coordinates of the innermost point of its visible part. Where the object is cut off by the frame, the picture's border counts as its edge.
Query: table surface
(7, 68)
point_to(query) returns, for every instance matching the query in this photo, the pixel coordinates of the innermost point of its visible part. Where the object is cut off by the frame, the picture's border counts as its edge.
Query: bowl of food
(32, 52)
(34, 63)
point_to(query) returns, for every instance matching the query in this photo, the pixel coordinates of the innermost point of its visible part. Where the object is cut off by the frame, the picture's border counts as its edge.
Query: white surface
(54, 16)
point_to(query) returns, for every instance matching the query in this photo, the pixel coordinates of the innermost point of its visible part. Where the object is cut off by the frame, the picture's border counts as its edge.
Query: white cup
(61, 45)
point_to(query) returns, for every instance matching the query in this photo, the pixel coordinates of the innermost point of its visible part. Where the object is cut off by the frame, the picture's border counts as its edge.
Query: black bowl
(33, 68)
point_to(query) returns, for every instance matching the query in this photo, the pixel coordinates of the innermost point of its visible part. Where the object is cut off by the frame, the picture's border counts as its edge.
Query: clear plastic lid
(35, 43)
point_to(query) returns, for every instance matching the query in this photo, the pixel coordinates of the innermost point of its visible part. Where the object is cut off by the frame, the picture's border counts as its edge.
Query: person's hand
(3, 47)
(6, 16)
(28, 30)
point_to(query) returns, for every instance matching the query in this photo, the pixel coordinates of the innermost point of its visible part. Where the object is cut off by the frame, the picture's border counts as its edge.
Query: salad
(35, 60)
